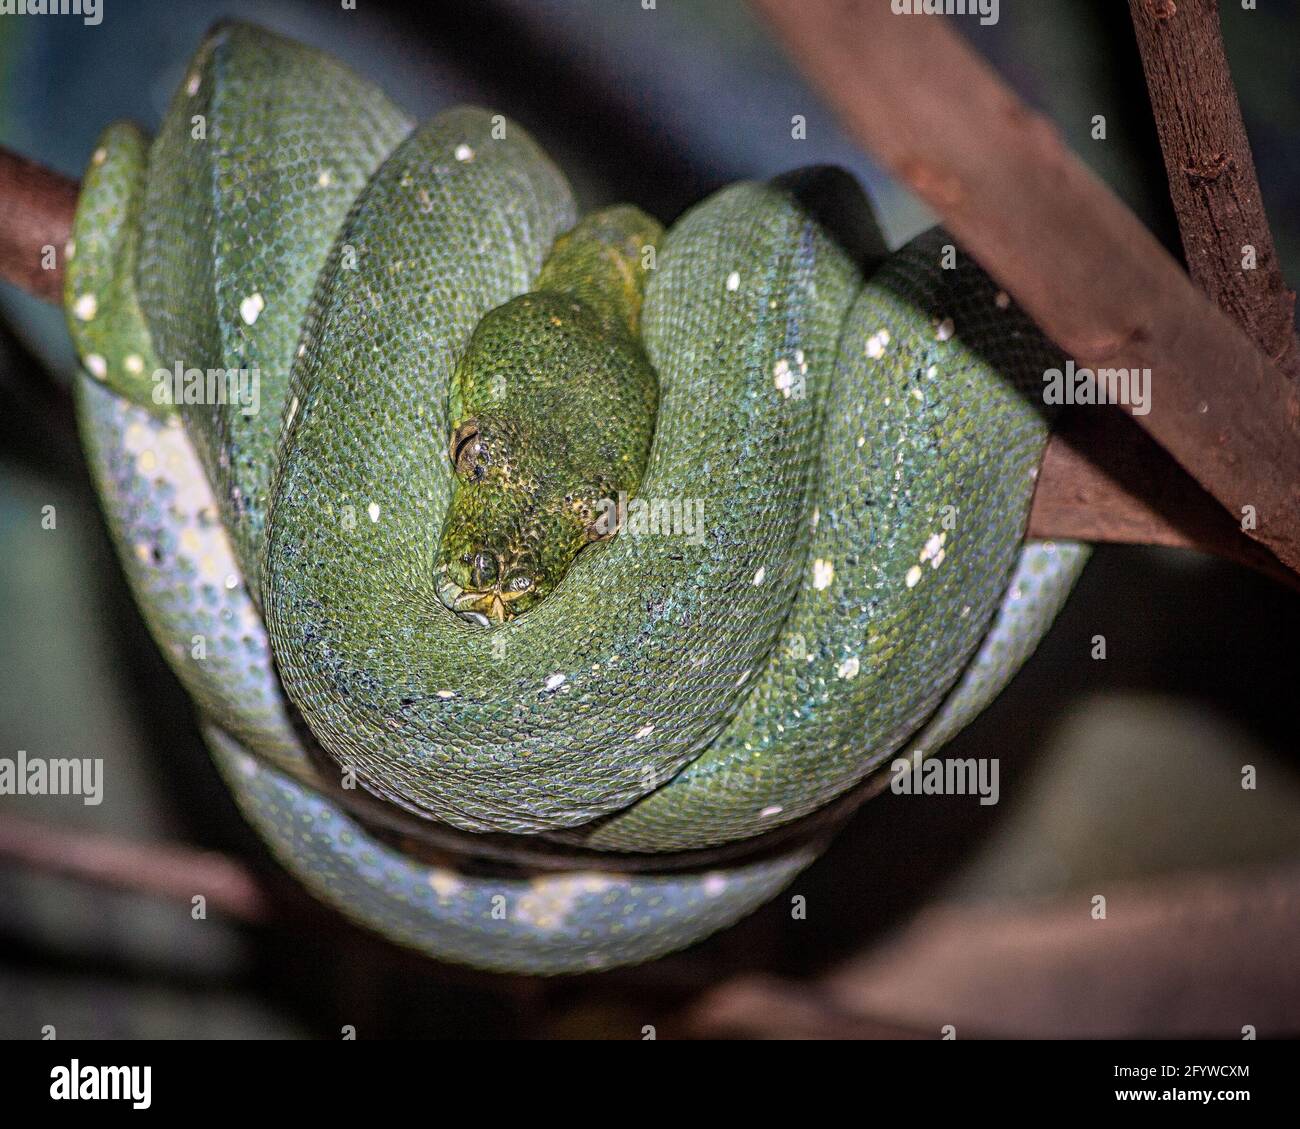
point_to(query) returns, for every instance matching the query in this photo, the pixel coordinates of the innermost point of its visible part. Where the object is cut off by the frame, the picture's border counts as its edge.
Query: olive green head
(552, 412)
(516, 520)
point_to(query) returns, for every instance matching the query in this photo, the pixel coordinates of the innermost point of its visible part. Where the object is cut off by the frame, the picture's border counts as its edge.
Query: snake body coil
(576, 787)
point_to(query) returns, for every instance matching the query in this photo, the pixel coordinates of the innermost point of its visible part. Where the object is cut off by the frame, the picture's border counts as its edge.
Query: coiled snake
(813, 559)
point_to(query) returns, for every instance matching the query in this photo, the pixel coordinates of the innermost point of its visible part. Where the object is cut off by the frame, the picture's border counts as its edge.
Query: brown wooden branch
(36, 208)
(1010, 968)
(1211, 172)
(1054, 236)
(1188, 955)
(163, 870)
(767, 1007)
(1102, 480)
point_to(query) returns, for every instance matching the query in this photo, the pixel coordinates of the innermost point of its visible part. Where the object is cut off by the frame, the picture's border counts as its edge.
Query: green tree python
(551, 580)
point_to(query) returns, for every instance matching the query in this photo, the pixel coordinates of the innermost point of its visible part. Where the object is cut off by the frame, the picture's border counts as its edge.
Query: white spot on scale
(876, 344)
(781, 377)
(934, 546)
(550, 900)
(644, 732)
(446, 693)
(770, 810)
(251, 307)
(913, 576)
(464, 152)
(324, 179)
(715, 885)
(944, 330)
(1002, 300)
(192, 84)
(134, 364)
(445, 883)
(96, 366)
(759, 575)
(848, 669)
(555, 681)
(373, 511)
(99, 156)
(86, 307)
(823, 574)
(733, 280)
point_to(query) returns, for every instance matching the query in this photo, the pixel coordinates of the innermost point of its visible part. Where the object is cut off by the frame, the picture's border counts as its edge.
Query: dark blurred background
(1117, 775)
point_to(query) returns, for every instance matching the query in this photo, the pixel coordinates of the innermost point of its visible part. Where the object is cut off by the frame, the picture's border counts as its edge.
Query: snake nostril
(518, 582)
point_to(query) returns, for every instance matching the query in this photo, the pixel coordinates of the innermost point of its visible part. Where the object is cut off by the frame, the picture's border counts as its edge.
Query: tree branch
(1211, 171)
(1054, 236)
(1041, 968)
(1101, 480)
(163, 870)
(1184, 956)
(36, 209)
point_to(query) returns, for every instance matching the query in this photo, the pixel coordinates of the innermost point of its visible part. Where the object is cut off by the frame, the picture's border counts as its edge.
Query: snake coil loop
(854, 461)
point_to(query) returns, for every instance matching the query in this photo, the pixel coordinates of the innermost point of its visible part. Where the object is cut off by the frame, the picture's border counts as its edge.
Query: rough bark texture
(1211, 172)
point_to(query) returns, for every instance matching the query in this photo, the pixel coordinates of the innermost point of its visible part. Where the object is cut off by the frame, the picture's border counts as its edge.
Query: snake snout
(488, 588)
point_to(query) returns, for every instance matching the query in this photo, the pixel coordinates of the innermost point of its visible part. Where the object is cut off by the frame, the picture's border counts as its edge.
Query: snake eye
(465, 448)
(520, 584)
(485, 569)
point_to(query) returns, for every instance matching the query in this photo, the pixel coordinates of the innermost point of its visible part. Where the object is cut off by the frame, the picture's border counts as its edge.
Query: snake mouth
(481, 606)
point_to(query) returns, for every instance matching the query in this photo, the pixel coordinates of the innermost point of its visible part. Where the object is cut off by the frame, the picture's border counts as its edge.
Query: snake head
(554, 403)
(513, 526)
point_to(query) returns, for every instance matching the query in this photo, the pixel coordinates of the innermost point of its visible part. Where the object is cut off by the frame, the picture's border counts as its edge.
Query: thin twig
(1054, 236)
(164, 870)
(767, 1007)
(1211, 172)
